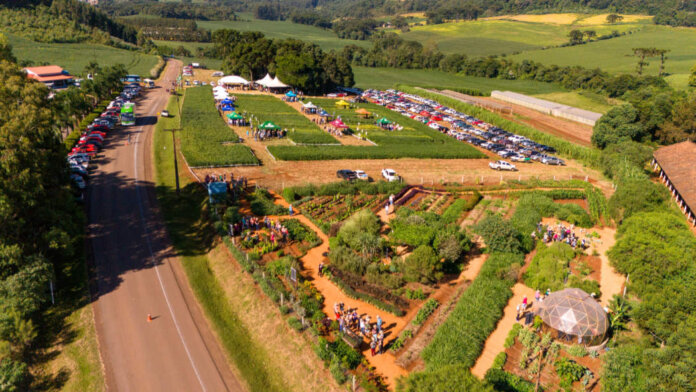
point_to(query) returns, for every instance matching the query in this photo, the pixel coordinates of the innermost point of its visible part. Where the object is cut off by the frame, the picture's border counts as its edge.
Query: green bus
(128, 114)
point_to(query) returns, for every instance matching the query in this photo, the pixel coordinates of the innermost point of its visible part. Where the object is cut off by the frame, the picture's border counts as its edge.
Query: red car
(90, 133)
(88, 149)
(98, 127)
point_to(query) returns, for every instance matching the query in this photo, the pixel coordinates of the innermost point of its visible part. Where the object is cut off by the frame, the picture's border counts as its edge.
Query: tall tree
(614, 18)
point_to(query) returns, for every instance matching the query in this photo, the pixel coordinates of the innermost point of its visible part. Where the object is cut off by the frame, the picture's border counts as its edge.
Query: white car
(502, 165)
(361, 175)
(390, 175)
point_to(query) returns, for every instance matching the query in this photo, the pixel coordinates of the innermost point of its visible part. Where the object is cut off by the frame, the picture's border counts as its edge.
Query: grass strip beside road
(192, 236)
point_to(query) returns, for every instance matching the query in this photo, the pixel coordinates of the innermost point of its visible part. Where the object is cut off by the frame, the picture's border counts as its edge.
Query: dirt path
(137, 273)
(496, 341)
(384, 363)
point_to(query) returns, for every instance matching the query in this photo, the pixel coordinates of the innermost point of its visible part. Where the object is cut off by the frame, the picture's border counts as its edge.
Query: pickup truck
(390, 175)
(502, 165)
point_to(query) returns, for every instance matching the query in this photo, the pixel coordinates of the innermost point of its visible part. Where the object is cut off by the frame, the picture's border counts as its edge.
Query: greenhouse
(576, 317)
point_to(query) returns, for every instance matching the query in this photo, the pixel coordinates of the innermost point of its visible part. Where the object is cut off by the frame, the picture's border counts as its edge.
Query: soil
(593, 262)
(580, 202)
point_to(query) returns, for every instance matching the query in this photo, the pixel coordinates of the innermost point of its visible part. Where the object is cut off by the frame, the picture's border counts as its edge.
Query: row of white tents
(267, 81)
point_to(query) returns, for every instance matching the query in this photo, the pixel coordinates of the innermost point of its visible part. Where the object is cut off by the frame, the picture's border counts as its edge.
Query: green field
(74, 57)
(269, 108)
(383, 78)
(416, 140)
(488, 37)
(206, 140)
(326, 39)
(615, 55)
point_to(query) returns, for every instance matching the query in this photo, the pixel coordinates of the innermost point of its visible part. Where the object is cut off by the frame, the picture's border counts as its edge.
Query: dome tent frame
(576, 316)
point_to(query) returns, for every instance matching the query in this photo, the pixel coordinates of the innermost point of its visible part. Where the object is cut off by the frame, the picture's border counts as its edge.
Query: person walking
(290, 209)
(373, 345)
(537, 295)
(524, 304)
(517, 317)
(386, 209)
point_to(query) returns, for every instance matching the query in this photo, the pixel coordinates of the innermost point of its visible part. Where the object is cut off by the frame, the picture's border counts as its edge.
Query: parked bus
(131, 78)
(128, 114)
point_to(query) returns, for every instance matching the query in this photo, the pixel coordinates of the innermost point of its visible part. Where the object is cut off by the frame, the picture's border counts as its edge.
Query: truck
(128, 114)
(502, 165)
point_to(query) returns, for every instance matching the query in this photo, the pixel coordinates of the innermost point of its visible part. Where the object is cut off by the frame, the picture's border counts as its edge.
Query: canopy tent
(338, 123)
(220, 97)
(235, 116)
(342, 103)
(324, 113)
(383, 121)
(219, 89)
(232, 80)
(290, 94)
(576, 316)
(276, 83)
(265, 81)
(363, 112)
(228, 108)
(268, 125)
(309, 105)
(424, 113)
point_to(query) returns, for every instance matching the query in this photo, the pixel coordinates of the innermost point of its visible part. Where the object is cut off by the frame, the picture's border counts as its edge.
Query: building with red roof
(52, 76)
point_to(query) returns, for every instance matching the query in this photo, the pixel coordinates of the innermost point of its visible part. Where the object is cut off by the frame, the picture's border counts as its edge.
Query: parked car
(502, 165)
(78, 181)
(164, 113)
(390, 175)
(346, 174)
(552, 161)
(361, 175)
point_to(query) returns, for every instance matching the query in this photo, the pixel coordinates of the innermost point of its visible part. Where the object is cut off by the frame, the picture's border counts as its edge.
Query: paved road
(136, 274)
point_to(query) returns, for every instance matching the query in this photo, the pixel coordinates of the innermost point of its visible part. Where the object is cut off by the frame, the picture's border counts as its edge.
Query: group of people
(538, 299)
(560, 234)
(391, 127)
(349, 320)
(333, 131)
(237, 122)
(260, 135)
(236, 186)
(250, 225)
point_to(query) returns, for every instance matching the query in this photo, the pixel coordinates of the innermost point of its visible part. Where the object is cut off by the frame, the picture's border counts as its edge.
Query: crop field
(415, 141)
(615, 55)
(489, 37)
(385, 78)
(326, 39)
(269, 108)
(74, 57)
(205, 138)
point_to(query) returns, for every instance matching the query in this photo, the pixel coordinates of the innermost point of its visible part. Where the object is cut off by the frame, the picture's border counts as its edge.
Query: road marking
(152, 256)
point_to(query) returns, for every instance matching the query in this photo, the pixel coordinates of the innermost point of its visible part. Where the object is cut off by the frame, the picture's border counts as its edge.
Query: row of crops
(205, 138)
(269, 108)
(415, 140)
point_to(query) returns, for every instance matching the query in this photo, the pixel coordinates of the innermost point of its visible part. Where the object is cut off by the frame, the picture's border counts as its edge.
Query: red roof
(47, 73)
(51, 78)
(679, 163)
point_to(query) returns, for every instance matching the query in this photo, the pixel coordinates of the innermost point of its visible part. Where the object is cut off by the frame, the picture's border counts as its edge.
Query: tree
(661, 53)
(450, 378)
(636, 195)
(621, 123)
(422, 266)
(614, 18)
(682, 124)
(642, 53)
(576, 37)
(499, 235)
(589, 34)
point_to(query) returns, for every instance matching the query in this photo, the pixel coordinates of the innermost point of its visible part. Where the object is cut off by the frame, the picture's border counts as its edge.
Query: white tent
(221, 96)
(309, 105)
(265, 81)
(233, 79)
(276, 83)
(219, 89)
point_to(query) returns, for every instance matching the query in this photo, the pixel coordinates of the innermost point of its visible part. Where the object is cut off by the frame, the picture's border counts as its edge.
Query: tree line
(176, 10)
(300, 64)
(41, 238)
(168, 29)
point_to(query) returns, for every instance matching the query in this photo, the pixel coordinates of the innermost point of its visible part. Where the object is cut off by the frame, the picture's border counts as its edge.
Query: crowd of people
(235, 186)
(525, 305)
(350, 322)
(260, 135)
(250, 226)
(560, 233)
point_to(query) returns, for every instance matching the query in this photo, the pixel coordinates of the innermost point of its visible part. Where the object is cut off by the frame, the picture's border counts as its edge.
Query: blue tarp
(227, 101)
(217, 191)
(228, 108)
(290, 94)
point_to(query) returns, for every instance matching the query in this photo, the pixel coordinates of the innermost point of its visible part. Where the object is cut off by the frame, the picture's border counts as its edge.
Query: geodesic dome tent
(576, 316)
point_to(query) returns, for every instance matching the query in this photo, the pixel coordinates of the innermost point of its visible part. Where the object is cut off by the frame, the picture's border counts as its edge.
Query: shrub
(577, 350)
(262, 204)
(503, 381)
(362, 222)
(512, 335)
(337, 371)
(453, 377)
(549, 267)
(456, 209)
(415, 294)
(295, 323)
(423, 266)
(425, 311)
(499, 360)
(498, 235)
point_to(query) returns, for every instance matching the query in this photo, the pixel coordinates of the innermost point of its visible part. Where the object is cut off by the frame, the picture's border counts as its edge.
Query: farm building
(547, 107)
(52, 76)
(576, 317)
(677, 167)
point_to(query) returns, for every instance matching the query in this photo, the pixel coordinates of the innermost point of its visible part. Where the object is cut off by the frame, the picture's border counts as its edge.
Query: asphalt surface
(135, 272)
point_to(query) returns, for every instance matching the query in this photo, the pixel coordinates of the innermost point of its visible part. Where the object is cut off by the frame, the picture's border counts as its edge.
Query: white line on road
(152, 256)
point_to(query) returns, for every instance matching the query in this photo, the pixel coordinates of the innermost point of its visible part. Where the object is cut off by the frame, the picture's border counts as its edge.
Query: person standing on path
(391, 200)
(386, 209)
(379, 323)
(517, 317)
(290, 209)
(537, 295)
(524, 304)
(373, 345)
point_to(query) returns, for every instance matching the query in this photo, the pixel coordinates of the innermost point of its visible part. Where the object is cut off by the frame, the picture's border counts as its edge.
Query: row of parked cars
(92, 139)
(465, 128)
(351, 175)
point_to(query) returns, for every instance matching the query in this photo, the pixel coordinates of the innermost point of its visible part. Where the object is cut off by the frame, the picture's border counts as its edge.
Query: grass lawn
(268, 108)
(488, 37)
(206, 140)
(74, 57)
(384, 78)
(615, 55)
(192, 236)
(415, 141)
(326, 39)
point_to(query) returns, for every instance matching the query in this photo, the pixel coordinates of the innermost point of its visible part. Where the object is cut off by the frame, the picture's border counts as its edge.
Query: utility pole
(176, 166)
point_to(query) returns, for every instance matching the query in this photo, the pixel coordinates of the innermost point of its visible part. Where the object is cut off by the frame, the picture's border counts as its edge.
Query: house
(52, 76)
(677, 167)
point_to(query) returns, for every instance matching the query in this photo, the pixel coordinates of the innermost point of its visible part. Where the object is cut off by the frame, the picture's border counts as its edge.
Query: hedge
(292, 194)
(460, 339)
(419, 151)
(503, 381)
(589, 156)
(456, 209)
